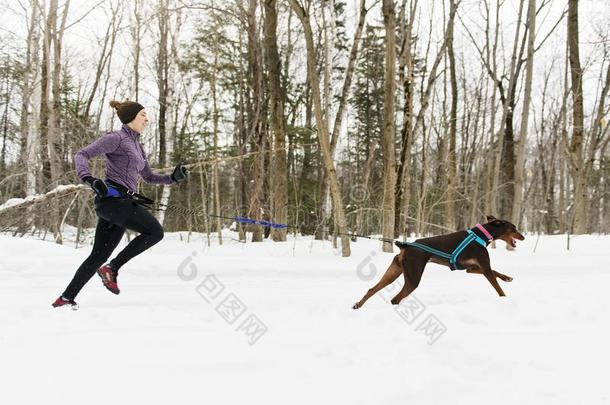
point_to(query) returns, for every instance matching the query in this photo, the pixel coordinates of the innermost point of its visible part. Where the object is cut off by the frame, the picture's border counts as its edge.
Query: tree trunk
(504, 154)
(272, 59)
(45, 84)
(451, 169)
(491, 202)
(389, 126)
(409, 132)
(50, 105)
(520, 166)
(135, 28)
(215, 116)
(31, 99)
(407, 74)
(169, 77)
(349, 73)
(368, 168)
(340, 220)
(256, 130)
(579, 210)
(162, 71)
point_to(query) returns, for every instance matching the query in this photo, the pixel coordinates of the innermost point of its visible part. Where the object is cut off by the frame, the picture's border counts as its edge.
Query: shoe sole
(72, 307)
(105, 282)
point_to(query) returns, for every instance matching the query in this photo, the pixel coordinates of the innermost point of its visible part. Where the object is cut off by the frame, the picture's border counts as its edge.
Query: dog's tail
(401, 245)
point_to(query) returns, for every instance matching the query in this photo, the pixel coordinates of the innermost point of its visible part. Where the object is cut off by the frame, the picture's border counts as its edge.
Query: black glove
(97, 185)
(179, 174)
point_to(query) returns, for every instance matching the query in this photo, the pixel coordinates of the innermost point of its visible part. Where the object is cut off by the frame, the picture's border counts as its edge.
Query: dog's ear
(497, 222)
(490, 218)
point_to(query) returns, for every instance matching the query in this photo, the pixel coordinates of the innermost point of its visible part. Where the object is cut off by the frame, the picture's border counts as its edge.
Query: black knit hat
(126, 110)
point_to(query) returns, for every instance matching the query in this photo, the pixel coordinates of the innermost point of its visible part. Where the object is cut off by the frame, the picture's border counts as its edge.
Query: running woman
(125, 163)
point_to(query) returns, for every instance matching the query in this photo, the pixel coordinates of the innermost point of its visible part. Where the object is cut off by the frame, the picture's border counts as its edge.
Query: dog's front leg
(482, 265)
(489, 275)
(503, 277)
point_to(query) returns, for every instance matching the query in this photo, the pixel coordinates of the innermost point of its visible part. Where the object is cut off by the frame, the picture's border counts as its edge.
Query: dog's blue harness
(453, 256)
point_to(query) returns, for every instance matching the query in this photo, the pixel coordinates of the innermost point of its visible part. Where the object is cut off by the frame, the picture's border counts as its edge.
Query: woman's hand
(179, 174)
(97, 185)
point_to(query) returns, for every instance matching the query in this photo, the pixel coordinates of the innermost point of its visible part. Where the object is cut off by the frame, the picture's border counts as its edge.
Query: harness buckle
(129, 192)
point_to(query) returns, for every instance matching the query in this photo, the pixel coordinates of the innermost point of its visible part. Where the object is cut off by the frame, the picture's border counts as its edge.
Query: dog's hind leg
(390, 275)
(413, 270)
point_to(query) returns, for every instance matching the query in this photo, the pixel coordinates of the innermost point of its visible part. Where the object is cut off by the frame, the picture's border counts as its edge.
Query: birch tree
(30, 100)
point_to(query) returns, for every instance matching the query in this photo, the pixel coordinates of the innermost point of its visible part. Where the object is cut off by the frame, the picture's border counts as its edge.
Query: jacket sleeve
(152, 178)
(106, 144)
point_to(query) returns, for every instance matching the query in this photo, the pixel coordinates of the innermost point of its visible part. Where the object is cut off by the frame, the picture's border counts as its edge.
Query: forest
(338, 117)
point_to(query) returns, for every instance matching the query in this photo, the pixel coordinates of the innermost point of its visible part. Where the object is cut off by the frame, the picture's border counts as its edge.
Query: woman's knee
(157, 233)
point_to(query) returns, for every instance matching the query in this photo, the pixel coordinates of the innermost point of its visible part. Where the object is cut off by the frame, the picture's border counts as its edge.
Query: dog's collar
(485, 232)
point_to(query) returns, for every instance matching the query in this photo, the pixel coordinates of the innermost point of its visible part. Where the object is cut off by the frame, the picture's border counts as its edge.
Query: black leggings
(116, 215)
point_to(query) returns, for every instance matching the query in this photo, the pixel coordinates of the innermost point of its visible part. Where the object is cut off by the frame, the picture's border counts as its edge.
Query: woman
(114, 205)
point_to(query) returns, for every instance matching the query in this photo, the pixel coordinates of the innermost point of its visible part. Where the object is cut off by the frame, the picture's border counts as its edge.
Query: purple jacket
(125, 159)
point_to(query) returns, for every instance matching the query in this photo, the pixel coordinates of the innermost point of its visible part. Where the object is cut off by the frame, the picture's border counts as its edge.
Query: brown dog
(474, 257)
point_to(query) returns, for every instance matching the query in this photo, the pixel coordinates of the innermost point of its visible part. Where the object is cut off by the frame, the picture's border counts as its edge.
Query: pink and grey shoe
(109, 278)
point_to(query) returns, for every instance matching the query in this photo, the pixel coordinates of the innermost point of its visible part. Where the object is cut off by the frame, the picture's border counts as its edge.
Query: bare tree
(273, 63)
(575, 148)
(30, 99)
(418, 123)
(345, 89)
(389, 126)
(256, 126)
(167, 62)
(323, 137)
(407, 79)
(135, 29)
(529, 67)
(50, 101)
(451, 159)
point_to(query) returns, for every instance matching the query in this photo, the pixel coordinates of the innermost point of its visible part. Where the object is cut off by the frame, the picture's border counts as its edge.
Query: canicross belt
(127, 193)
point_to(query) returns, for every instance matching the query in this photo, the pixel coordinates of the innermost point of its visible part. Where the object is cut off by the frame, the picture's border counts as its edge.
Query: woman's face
(139, 122)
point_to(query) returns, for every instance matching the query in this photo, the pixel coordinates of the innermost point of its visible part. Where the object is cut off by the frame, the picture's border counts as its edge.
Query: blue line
(477, 238)
(430, 250)
(456, 253)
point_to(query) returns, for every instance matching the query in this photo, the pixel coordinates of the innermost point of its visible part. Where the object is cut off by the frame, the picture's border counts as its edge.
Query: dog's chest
(469, 262)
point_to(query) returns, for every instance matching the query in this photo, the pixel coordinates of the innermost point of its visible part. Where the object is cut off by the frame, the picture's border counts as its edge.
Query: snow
(161, 342)
(13, 202)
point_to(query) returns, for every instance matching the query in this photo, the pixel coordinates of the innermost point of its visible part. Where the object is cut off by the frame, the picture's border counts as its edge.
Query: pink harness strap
(487, 234)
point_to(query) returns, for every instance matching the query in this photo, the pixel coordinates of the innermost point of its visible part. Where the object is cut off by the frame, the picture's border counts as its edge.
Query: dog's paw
(507, 279)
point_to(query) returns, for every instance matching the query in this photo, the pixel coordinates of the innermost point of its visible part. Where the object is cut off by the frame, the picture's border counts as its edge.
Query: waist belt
(127, 193)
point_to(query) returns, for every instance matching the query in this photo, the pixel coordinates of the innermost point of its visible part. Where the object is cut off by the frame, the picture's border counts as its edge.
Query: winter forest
(337, 117)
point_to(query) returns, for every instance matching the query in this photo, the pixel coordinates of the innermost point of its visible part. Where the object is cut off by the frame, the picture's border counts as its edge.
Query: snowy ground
(165, 339)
